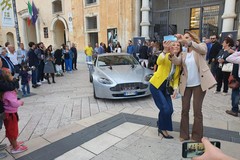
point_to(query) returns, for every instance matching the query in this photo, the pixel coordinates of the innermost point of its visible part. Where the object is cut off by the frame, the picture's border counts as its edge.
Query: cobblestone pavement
(53, 108)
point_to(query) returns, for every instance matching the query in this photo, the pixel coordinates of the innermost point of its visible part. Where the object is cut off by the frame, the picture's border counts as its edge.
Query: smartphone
(194, 149)
(170, 38)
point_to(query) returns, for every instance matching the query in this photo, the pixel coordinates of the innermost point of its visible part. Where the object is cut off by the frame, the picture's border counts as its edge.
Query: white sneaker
(19, 149)
(224, 93)
(39, 83)
(44, 80)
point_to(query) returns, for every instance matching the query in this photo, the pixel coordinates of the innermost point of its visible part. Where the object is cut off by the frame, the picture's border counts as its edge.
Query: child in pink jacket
(11, 104)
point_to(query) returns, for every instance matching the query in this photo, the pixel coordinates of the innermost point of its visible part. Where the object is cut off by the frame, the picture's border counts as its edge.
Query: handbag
(227, 67)
(169, 89)
(233, 82)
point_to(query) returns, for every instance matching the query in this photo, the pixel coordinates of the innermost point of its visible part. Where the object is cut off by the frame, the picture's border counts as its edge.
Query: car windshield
(113, 60)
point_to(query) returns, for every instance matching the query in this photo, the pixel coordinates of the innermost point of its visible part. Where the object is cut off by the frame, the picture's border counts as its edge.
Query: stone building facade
(83, 21)
(52, 25)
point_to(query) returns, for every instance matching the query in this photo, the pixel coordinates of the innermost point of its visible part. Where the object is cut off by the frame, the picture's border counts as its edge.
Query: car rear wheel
(90, 78)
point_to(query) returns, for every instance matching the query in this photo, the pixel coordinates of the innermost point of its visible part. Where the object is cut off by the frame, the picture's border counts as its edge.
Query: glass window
(91, 22)
(57, 6)
(210, 20)
(90, 2)
(195, 18)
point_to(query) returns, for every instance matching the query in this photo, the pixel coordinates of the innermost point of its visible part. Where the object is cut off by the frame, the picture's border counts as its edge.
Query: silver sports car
(118, 76)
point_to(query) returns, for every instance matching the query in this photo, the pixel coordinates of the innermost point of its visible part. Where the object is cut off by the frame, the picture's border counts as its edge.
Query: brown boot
(232, 113)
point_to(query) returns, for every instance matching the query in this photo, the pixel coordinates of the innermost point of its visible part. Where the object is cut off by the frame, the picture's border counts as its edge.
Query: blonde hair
(194, 37)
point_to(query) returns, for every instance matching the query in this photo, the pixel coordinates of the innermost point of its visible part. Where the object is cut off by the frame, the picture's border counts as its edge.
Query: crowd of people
(20, 67)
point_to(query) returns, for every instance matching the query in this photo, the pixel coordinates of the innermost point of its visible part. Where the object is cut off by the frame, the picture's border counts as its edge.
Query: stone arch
(57, 30)
(10, 38)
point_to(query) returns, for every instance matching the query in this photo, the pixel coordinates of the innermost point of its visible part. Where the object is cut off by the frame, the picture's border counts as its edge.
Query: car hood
(124, 73)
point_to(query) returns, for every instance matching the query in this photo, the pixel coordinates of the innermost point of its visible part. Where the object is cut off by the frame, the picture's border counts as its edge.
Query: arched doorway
(59, 34)
(10, 38)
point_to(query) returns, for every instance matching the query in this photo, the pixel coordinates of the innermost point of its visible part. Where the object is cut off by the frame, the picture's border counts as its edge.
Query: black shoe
(167, 137)
(53, 82)
(35, 85)
(235, 114)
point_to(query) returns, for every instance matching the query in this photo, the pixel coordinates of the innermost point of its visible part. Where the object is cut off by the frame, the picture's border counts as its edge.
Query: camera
(194, 149)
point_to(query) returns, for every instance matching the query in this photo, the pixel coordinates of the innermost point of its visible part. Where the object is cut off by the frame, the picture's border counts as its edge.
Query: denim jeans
(68, 64)
(34, 76)
(24, 89)
(235, 100)
(88, 58)
(164, 103)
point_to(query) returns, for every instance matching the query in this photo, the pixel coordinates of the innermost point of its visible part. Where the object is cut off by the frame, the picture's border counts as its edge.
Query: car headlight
(104, 81)
(148, 77)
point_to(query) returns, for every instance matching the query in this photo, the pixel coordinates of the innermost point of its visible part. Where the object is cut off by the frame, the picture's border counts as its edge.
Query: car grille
(122, 95)
(129, 86)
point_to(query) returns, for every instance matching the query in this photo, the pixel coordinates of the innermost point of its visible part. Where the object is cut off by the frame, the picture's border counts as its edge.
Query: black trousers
(63, 62)
(40, 71)
(222, 77)
(74, 64)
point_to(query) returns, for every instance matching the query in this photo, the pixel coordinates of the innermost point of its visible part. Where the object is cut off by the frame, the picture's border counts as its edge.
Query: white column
(145, 19)
(228, 15)
(37, 26)
(137, 19)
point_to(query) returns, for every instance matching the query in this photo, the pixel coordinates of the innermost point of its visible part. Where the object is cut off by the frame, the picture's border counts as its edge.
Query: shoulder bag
(227, 67)
(169, 89)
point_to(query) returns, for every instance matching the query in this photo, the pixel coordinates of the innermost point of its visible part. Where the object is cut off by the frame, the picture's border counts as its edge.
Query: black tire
(90, 78)
(94, 94)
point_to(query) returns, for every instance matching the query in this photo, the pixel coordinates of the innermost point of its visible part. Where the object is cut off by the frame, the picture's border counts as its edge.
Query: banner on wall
(7, 13)
(70, 23)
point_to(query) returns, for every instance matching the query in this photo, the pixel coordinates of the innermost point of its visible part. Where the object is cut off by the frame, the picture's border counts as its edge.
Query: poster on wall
(138, 42)
(7, 13)
(112, 36)
(70, 23)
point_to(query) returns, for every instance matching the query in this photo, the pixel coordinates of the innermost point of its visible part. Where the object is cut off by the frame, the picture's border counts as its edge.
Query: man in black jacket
(4, 86)
(143, 55)
(216, 47)
(33, 63)
(74, 50)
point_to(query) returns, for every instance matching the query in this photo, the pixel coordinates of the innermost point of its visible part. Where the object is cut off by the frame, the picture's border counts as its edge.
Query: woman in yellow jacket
(158, 82)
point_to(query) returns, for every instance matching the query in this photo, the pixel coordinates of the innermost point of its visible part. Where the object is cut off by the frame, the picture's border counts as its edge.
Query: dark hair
(30, 44)
(229, 41)
(238, 40)
(63, 46)
(215, 35)
(180, 49)
(6, 44)
(50, 46)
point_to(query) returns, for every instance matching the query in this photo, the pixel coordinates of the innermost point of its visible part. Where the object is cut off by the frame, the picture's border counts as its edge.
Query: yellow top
(88, 51)
(164, 68)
